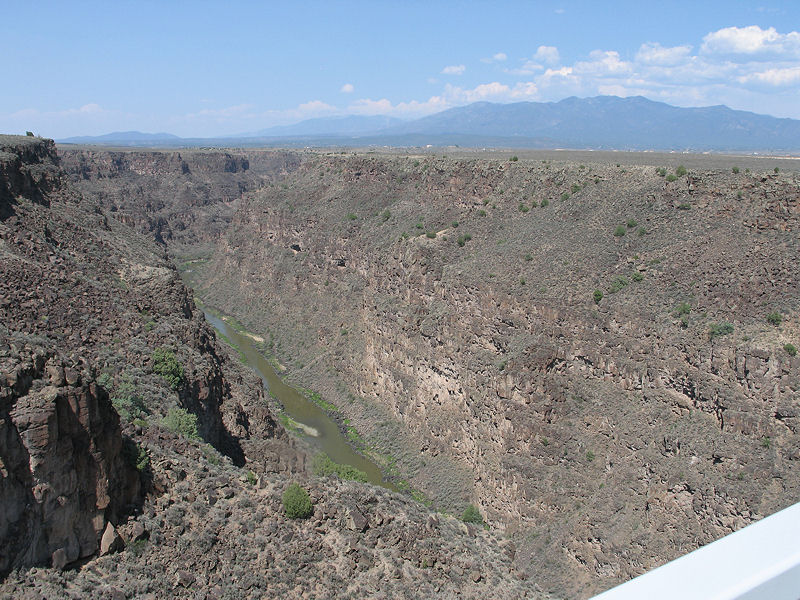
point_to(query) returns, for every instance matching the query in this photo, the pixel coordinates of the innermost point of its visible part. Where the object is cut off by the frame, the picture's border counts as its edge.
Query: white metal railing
(758, 562)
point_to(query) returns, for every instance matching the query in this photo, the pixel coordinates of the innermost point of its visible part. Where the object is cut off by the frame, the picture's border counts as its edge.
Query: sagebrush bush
(719, 329)
(297, 502)
(472, 515)
(181, 422)
(775, 318)
(166, 364)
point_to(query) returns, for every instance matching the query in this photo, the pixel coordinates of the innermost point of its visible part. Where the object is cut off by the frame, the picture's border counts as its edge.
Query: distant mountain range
(124, 138)
(602, 122)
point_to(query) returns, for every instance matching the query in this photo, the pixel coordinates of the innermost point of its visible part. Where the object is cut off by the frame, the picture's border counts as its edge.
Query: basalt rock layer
(138, 458)
(450, 304)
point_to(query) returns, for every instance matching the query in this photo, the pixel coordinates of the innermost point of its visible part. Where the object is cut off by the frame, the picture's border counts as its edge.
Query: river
(320, 430)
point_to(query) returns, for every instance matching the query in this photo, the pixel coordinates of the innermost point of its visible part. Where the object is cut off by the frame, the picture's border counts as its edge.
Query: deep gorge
(445, 306)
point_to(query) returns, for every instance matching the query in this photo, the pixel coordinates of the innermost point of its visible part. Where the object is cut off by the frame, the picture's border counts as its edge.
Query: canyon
(139, 458)
(444, 305)
(594, 349)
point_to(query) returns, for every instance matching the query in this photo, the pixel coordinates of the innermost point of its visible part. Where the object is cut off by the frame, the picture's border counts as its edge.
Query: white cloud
(652, 53)
(414, 108)
(347, 88)
(496, 57)
(547, 55)
(752, 40)
(774, 77)
(454, 70)
(602, 62)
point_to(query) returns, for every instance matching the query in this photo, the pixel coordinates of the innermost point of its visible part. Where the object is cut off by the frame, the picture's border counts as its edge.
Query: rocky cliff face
(183, 198)
(128, 431)
(450, 302)
(84, 302)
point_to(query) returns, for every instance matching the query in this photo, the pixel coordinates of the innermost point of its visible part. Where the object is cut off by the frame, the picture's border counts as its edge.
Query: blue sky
(202, 69)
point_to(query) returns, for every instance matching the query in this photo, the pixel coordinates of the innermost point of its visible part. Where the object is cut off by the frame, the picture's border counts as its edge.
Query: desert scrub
(790, 349)
(296, 502)
(471, 514)
(597, 295)
(463, 239)
(166, 364)
(565, 196)
(619, 283)
(775, 318)
(323, 466)
(619, 231)
(637, 277)
(719, 329)
(671, 178)
(545, 203)
(181, 422)
(680, 171)
(135, 455)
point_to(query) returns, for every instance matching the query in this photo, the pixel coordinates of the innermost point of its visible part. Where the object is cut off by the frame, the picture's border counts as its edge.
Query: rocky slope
(446, 307)
(127, 429)
(184, 198)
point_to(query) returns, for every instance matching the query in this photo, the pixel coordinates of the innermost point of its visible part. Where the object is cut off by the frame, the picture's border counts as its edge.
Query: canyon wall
(447, 308)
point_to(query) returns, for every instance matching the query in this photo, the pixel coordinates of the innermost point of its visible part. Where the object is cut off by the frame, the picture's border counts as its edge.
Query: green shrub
(684, 308)
(431, 234)
(775, 318)
(735, 170)
(661, 171)
(463, 239)
(523, 208)
(323, 466)
(181, 422)
(513, 159)
(352, 216)
(481, 213)
(631, 223)
(135, 455)
(545, 203)
(386, 215)
(637, 276)
(680, 171)
(472, 515)
(719, 329)
(776, 170)
(589, 455)
(790, 349)
(597, 296)
(684, 206)
(251, 478)
(564, 196)
(619, 283)
(128, 403)
(619, 231)
(166, 364)
(671, 177)
(575, 188)
(528, 257)
(641, 231)
(296, 502)
(454, 224)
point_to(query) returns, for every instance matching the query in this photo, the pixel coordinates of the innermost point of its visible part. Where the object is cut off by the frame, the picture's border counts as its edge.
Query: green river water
(320, 430)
